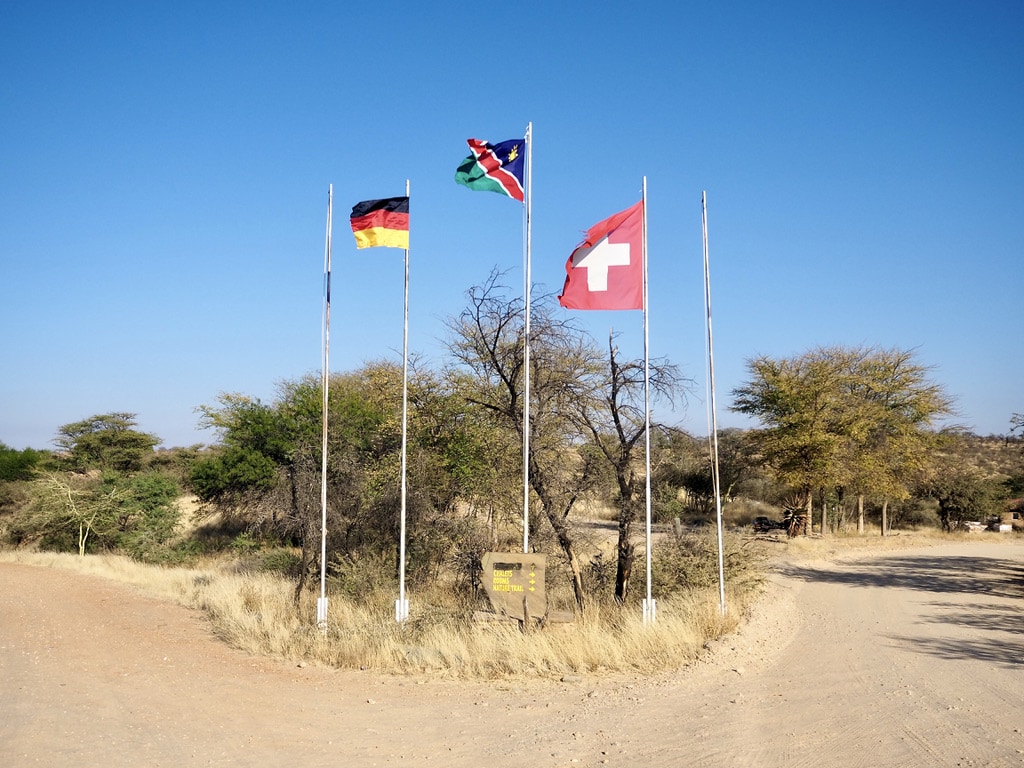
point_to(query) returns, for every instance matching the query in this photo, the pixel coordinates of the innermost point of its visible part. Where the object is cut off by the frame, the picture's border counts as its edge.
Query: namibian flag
(494, 167)
(381, 222)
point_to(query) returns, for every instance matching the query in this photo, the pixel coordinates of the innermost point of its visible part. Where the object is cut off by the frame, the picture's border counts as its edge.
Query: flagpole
(527, 289)
(402, 604)
(321, 603)
(714, 415)
(649, 607)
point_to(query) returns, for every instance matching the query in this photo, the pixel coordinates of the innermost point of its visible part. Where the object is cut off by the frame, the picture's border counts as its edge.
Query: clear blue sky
(164, 171)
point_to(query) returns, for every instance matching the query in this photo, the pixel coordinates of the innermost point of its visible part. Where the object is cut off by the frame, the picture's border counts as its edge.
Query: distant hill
(996, 457)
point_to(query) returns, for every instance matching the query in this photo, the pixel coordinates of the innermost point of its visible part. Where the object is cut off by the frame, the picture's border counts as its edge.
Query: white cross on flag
(606, 269)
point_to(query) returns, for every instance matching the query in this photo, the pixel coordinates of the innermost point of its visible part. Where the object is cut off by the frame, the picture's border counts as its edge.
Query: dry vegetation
(993, 456)
(254, 611)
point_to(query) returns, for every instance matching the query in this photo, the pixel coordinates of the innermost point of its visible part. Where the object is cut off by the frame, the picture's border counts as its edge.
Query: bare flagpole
(649, 607)
(402, 604)
(527, 286)
(321, 603)
(714, 414)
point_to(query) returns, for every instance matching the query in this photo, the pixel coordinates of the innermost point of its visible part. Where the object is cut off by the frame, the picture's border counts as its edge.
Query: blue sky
(164, 171)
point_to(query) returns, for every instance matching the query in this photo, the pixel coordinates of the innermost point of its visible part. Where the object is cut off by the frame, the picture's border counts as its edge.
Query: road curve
(905, 659)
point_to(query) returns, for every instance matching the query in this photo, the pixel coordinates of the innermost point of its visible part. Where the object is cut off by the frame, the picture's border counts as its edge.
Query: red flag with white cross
(606, 269)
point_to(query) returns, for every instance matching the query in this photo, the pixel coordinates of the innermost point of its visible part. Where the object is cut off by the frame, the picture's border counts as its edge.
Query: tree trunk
(566, 543)
(860, 514)
(839, 518)
(624, 569)
(84, 529)
(309, 530)
(562, 533)
(625, 549)
(885, 517)
(305, 562)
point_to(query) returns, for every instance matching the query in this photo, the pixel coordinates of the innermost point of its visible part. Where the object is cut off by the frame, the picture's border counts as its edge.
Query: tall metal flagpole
(649, 607)
(527, 281)
(714, 414)
(321, 603)
(402, 604)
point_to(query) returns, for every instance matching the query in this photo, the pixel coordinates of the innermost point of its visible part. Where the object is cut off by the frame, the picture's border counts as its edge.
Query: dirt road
(912, 658)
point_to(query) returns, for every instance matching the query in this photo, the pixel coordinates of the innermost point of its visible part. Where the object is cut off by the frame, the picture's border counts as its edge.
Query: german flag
(381, 222)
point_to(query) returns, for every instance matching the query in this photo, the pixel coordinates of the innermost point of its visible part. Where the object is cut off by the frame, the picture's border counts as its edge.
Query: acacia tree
(73, 503)
(614, 417)
(839, 417)
(99, 511)
(265, 476)
(103, 493)
(892, 438)
(488, 342)
(962, 494)
(106, 441)
(585, 412)
(799, 402)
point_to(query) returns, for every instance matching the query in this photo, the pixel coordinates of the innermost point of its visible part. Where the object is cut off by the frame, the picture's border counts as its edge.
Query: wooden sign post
(514, 583)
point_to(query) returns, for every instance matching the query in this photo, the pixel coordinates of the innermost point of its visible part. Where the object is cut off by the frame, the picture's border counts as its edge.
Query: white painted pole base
(321, 613)
(650, 611)
(401, 610)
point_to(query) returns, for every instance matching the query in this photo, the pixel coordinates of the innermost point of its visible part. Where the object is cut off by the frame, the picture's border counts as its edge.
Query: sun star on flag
(494, 168)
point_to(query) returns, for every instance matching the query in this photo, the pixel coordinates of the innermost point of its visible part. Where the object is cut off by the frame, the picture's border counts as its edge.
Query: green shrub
(284, 561)
(690, 561)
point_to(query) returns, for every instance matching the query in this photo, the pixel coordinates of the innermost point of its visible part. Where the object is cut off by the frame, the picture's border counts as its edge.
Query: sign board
(514, 583)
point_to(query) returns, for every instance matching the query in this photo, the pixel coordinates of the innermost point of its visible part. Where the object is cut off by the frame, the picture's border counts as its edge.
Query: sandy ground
(906, 658)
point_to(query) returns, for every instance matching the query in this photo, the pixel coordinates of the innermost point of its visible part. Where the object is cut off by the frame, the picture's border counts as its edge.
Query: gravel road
(901, 658)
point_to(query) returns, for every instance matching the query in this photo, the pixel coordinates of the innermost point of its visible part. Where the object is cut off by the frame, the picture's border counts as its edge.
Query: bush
(690, 561)
(284, 561)
(19, 465)
(364, 577)
(94, 512)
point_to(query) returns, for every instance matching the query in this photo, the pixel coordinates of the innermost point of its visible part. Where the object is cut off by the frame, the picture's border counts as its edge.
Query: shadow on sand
(989, 627)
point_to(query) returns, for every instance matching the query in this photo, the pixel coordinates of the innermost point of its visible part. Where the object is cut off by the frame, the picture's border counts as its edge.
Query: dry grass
(255, 612)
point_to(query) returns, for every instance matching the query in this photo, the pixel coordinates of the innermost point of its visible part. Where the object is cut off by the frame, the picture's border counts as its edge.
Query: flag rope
(321, 605)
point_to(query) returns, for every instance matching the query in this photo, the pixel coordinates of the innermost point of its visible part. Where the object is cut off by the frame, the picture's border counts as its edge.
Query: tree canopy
(857, 418)
(106, 441)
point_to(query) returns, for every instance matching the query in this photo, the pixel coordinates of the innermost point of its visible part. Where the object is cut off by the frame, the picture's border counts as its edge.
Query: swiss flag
(606, 270)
